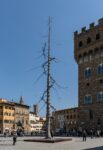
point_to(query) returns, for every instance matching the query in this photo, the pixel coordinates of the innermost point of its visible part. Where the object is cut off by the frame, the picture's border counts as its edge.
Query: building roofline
(33, 113)
(8, 103)
(21, 105)
(66, 109)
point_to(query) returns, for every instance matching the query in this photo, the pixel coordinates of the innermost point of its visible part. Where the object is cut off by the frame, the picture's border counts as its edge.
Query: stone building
(40, 125)
(88, 51)
(7, 116)
(65, 120)
(36, 123)
(33, 119)
(21, 116)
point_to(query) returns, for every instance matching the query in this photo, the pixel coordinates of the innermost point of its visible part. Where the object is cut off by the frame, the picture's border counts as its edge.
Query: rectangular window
(87, 99)
(6, 121)
(100, 97)
(87, 72)
(100, 69)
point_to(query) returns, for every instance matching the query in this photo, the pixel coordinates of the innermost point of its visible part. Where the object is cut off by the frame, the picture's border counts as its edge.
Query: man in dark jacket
(14, 138)
(84, 135)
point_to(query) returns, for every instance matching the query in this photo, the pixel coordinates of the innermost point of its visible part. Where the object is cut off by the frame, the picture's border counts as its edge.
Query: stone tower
(88, 51)
(36, 109)
(21, 100)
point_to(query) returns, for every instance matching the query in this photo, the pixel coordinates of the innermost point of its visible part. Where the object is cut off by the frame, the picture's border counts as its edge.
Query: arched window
(80, 44)
(96, 53)
(90, 55)
(100, 97)
(100, 69)
(85, 57)
(80, 59)
(87, 99)
(88, 40)
(87, 72)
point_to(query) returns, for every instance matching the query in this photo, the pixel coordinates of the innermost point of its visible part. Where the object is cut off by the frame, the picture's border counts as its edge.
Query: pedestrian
(98, 133)
(91, 132)
(5, 134)
(84, 135)
(14, 138)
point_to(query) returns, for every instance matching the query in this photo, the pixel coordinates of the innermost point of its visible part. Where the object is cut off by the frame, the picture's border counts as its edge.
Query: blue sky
(23, 30)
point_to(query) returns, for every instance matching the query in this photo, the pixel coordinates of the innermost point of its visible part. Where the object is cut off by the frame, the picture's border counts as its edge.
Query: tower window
(80, 44)
(97, 36)
(87, 72)
(85, 57)
(87, 99)
(90, 55)
(88, 40)
(80, 59)
(100, 97)
(97, 53)
(100, 69)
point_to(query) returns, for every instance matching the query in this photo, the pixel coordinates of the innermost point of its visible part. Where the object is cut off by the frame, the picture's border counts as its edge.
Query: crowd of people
(92, 133)
(82, 133)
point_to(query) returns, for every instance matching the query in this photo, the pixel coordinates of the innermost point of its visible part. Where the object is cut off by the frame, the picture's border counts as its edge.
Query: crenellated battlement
(91, 27)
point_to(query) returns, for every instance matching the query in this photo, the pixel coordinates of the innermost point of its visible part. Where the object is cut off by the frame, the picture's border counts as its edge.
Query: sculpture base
(51, 140)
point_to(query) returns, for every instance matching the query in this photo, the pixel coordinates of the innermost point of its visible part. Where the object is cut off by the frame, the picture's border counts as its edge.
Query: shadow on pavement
(6, 144)
(96, 148)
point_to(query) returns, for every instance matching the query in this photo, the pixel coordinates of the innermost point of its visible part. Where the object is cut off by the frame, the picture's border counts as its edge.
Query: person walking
(5, 134)
(84, 135)
(14, 138)
(91, 132)
(98, 133)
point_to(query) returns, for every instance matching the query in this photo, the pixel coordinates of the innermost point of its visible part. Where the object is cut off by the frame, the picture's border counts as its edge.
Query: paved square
(75, 144)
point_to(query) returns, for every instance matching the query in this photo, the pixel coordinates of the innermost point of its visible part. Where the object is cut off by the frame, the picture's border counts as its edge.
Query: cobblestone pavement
(75, 144)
